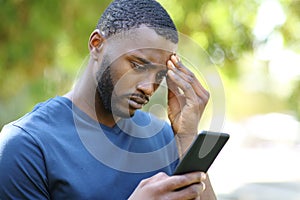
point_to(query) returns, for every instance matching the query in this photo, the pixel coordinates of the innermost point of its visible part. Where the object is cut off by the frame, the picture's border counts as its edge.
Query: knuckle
(176, 78)
(179, 64)
(170, 186)
(162, 174)
(183, 180)
(190, 79)
(192, 75)
(144, 182)
(194, 190)
(207, 95)
(203, 100)
(187, 86)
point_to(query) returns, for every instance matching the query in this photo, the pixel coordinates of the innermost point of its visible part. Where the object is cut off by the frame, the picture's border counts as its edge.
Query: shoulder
(46, 123)
(22, 161)
(17, 144)
(50, 110)
(13, 138)
(46, 115)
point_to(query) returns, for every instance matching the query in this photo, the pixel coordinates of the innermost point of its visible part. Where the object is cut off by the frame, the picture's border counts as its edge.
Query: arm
(185, 109)
(22, 170)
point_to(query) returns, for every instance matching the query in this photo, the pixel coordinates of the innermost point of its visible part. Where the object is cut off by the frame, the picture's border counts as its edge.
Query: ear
(96, 42)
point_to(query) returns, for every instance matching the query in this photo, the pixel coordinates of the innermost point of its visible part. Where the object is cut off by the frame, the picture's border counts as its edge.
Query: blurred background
(255, 45)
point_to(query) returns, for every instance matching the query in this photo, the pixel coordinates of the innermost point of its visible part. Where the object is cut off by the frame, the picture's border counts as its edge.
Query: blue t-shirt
(58, 152)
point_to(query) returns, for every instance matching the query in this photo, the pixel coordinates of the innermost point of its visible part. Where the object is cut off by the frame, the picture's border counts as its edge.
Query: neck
(85, 96)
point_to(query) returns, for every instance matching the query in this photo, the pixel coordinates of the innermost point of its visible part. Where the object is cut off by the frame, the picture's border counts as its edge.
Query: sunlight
(270, 15)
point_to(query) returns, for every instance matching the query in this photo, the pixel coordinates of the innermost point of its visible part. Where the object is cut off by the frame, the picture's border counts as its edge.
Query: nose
(147, 86)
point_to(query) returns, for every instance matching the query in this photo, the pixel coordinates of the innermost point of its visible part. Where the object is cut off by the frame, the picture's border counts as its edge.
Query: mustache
(141, 96)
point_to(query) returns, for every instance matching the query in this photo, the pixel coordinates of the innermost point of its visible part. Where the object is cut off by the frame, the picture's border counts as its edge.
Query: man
(94, 143)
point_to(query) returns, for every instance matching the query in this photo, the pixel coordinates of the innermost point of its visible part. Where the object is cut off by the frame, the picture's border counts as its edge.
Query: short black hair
(123, 15)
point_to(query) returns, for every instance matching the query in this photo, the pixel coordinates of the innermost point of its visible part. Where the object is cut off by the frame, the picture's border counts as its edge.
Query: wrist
(183, 142)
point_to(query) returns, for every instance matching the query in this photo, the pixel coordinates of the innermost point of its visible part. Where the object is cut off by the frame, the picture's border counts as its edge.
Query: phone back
(202, 152)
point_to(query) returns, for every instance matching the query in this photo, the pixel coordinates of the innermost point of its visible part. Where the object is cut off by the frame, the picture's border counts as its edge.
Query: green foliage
(43, 43)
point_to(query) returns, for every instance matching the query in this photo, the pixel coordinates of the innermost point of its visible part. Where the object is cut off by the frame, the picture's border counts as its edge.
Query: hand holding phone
(202, 152)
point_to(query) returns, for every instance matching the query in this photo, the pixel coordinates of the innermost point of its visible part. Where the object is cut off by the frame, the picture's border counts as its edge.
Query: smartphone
(202, 153)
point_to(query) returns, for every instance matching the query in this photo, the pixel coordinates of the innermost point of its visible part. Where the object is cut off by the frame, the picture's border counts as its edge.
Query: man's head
(132, 43)
(123, 15)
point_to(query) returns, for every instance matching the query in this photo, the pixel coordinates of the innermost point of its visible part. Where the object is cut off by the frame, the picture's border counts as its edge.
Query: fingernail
(203, 176)
(203, 186)
(173, 57)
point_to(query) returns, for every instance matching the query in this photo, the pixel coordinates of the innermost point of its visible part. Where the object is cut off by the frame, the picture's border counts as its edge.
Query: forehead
(143, 40)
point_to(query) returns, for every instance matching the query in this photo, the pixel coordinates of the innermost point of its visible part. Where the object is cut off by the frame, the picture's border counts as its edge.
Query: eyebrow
(147, 62)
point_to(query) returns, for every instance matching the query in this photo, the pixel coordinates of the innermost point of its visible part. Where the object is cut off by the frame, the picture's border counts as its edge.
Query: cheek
(123, 79)
(126, 83)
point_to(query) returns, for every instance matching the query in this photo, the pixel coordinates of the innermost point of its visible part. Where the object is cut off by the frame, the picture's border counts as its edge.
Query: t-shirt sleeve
(22, 168)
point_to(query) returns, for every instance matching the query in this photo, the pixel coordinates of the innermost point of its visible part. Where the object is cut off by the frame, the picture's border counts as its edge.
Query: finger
(186, 87)
(172, 88)
(203, 186)
(153, 179)
(191, 192)
(179, 79)
(159, 176)
(180, 181)
(188, 76)
(192, 80)
(179, 65)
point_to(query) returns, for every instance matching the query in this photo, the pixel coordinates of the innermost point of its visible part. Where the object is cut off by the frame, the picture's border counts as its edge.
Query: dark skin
(135, 74)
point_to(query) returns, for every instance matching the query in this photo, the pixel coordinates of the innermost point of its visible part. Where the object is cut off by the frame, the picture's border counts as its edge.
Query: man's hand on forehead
(187, 99)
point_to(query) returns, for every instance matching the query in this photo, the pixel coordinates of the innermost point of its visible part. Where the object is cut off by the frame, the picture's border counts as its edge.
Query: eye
(138, 67)
(161, 75)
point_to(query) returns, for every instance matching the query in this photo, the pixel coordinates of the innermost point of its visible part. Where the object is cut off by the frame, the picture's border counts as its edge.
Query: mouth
(137, 101)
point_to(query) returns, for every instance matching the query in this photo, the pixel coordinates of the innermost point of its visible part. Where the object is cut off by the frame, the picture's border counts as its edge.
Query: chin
(126, 113)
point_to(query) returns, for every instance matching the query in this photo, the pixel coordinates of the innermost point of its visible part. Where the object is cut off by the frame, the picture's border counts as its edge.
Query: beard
(105, 88)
